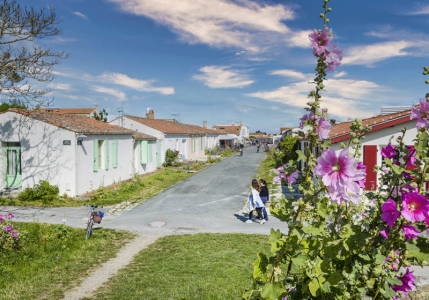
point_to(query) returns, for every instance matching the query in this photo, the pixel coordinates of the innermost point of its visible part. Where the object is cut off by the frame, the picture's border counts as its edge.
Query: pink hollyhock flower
(407, 283)
(276, 179)
(404, 190)
(9, 228)
(303, 119)
(415, 207)
(280, 169)
(333, 58)
(282, 175)
(323, 129)
(361, 169)
(320, 42)
(394, 266)
(384, 233)
(9, 216)
(410, 232)
(420, 114)
(291, 179)
(412, 161)
(388, 151)
(345, 193)
(390, 212)
(1, 219)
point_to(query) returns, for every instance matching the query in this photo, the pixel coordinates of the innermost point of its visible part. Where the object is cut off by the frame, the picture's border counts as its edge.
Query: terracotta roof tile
(229, 129)
(344, 127)
(163, 126)
(67, 110)
(76, 123)
(206, 130)
(141, 136)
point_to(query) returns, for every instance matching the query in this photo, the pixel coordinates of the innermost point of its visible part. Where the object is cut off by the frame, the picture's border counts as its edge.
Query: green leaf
(260, 266)
(299, 260)
(364, 257)
(379, 258)
(314, 286)
(272, 290)
(335, 278)
(301, 156)
(413, 247)
(393, 281)
(326, 287)
(423, 142)
(397, 169)
(347, 231)
(326, 144)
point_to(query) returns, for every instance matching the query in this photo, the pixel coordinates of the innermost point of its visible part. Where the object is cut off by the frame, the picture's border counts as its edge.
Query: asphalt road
(210, 201)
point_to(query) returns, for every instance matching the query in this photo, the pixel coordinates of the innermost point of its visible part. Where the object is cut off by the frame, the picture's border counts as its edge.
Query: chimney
(96, 107)
(150, 115)
(325, 113)
(205, 124)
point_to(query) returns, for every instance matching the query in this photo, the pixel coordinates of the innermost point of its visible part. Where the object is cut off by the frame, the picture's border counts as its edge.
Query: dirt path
(99, 276)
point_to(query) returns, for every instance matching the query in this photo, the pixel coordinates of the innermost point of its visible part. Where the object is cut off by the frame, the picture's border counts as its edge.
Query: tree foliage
(21, 61)
(101, 116)
(15, 103)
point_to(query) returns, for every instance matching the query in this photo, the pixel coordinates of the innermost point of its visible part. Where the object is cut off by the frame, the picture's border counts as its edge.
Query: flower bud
(342, 145)
(329, 9)
(394, 266)
(425, 72)
(353, 135)
(360, 128)
(362, 137)
(427, 81)
(327, 21)
(322, 15)
(356, 141)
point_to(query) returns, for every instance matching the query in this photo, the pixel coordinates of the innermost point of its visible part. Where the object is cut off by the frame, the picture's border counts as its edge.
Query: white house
(241, 131)
(383, 128)
(167, 135)
(76, 153)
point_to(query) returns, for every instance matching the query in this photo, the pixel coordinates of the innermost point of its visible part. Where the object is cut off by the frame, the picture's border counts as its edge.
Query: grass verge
(201, 266)
(135, 189)
(35, 271)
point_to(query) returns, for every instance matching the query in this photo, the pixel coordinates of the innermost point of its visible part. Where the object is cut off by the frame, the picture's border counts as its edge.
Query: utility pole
(121, 115)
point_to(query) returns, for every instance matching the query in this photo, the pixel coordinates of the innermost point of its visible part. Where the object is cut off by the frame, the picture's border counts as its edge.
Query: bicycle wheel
(89, 228)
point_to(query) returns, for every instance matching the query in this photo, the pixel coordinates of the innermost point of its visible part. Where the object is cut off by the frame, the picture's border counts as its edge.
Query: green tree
(22, 65)
(258, 131)
(15, 103)
(101, 116)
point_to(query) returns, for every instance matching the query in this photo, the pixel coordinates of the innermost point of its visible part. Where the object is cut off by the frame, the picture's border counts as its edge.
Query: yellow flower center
(321, 42)
(423, 114)
(336, 167)
(412, 206)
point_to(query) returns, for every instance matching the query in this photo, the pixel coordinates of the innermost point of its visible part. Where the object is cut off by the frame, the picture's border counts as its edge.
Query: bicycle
(94, 217)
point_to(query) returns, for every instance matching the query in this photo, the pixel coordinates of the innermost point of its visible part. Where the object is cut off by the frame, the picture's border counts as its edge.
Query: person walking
(264, 197)
(255, 201)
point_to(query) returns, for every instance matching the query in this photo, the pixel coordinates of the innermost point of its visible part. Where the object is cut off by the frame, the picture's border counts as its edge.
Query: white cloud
(344, 98)
(291, 74)
(422, 10)
(340, 74)
(300, 39)
(222, 77)
(115, 93)
(80, 15)
(137, 84)
(59, 86)
(367, 55)
(244, 24)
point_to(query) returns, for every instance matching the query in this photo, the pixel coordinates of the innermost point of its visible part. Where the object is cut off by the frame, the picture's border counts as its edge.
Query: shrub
(9, 240)
(170, 157)
(42, 191)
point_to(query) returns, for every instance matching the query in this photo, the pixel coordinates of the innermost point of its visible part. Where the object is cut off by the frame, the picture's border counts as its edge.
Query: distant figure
(255, 201)
(264, 197)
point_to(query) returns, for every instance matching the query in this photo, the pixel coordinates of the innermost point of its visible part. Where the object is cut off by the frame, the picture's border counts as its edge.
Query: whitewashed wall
(148, 167)
(88, 179)
(177, 142)
(43, 155)
(133, 125)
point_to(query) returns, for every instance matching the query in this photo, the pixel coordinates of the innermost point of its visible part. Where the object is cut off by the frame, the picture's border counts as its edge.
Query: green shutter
(150, 148)
(107, 154)
(95, 155)
(114, 153)
(143, 149)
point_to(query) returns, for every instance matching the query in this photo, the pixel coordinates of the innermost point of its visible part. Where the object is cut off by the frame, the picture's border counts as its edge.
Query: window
(221, 127)
(100, 154)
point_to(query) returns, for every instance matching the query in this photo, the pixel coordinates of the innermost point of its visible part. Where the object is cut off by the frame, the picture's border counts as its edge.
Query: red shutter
(370, 161)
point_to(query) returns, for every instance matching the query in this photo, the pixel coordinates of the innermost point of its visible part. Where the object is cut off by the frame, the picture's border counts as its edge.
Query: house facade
(75, 153)
(241, 131)
(167, 135)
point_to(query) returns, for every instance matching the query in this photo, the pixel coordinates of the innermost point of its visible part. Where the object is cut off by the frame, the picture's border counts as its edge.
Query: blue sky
(227, 61)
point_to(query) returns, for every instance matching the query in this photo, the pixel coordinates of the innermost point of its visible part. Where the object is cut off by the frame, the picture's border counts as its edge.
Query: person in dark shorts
(264, 196)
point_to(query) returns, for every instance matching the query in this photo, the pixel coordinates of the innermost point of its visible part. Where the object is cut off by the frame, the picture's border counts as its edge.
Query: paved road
(210, 201)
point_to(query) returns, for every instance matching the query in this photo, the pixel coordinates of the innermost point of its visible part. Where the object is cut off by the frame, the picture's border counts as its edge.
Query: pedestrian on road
(255, 201)
(264, 196)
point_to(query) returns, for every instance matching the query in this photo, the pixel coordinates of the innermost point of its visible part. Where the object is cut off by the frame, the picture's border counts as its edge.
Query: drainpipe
(75, 164)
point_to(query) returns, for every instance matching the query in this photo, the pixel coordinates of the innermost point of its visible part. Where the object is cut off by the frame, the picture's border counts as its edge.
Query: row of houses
(78, 153)
(384, 126)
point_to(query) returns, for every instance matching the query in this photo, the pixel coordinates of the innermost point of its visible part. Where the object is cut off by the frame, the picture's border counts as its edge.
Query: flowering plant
(342, 242)
(8, 235)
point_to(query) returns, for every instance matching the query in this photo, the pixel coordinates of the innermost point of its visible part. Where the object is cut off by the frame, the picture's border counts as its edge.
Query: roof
(342, 131)
(206, 130)
(163, 126)
(67, 110)
(141, 136)
(285, 129)
(232, 129)
(189, 129)
(75, 123)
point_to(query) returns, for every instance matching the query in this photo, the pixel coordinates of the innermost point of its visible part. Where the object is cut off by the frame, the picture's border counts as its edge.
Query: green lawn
(200, 266)
(136, 189)
(36, 271)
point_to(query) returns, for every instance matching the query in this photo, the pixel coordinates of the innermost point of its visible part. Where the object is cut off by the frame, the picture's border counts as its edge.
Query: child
(255, 201)
(264, 197)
